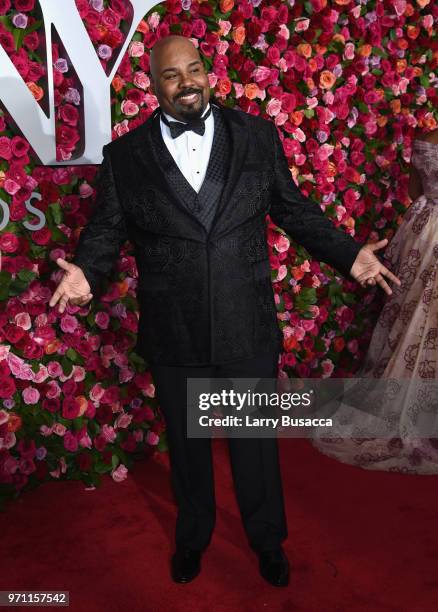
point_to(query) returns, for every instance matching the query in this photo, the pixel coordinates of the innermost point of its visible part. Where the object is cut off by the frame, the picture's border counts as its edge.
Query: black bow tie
(194, 125)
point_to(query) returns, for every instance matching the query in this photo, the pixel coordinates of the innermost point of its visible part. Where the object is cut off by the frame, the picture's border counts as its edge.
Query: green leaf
(26, 275)
(115, 461)
(55, 209)
(72, 355)
(66, 365)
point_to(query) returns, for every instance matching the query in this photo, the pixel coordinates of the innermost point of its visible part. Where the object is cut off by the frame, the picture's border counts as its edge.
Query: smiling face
(179, 79)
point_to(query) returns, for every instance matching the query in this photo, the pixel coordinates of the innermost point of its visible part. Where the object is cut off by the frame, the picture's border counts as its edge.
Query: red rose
(7, 41)
(70, 408)
(5, 6)
(5, 147)
(19, 146)
(9, 242)
(42, 236)
(110, 19)
(69, 114)
(24, 5)
(31, 41)
(51, 404)
(84, 461)
(7, 388)
(13, 333)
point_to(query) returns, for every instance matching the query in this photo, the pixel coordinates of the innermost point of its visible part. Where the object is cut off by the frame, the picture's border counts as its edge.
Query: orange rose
(395, 106)
(401, 65)
(338, 344)
(83, 404)
(339, 38)
(226, 5)
(327, 79)
(251, 91)
(14, 422)
(143, 27)
(297, 273)
(117, 83)
(382, 120)
(342, 2)
(413, 32)
(305, 50)
(52, 347)
(421, 3)
(238, 35)
(402, 43)
(429, 123)
(290, 343)
(332, 171)
(36, 91)
(123, 288)
(312, 64)
(223, 87)
(296, 117)
(365, 50)
(2, 178)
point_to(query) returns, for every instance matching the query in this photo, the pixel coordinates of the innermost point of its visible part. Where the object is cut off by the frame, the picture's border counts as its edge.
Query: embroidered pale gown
(404, 345)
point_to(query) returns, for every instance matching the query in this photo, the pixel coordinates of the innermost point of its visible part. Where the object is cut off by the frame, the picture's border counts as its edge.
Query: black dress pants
(254, 461)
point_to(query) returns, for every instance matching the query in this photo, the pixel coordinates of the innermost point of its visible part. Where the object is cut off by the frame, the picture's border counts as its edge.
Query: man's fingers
(390, 275)
(382, 282)
(62, 263)
(81, 301)
(375, 246)
(63, 303)
(56, 296)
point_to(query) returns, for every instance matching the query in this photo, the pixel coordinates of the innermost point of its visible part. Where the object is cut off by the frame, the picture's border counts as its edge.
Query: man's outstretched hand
(74, 287)
(368, 270)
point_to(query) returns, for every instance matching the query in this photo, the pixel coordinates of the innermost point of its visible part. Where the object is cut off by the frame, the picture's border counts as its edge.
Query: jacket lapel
(164, 167)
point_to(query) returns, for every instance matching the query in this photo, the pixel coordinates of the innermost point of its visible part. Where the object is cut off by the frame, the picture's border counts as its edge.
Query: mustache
(188, 92)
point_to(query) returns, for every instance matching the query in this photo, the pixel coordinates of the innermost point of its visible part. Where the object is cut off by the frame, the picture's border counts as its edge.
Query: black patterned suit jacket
(204, 290)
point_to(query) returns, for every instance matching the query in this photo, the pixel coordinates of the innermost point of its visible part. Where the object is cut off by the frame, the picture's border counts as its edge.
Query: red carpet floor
(358, 541)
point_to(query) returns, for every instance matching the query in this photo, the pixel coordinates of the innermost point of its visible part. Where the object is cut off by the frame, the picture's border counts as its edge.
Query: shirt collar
(170, 118)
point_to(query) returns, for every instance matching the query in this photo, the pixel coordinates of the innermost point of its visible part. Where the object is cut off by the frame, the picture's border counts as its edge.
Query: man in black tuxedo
(190, 188)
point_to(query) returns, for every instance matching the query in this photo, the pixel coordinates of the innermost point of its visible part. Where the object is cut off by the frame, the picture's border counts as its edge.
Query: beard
(191, 111)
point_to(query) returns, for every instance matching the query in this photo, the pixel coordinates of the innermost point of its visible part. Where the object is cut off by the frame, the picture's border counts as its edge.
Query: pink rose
(327, 368)
(31, 395)
(54, 368)
(141, 80)
(129, 108)
(152, 438)
(11, 187)
(96, 392)
(70, 442)
(53, 390)
(136, 49)
(68, 323)
(85, 190)
(23, 320)
(102, 319)
(123, 420)
(120, 473)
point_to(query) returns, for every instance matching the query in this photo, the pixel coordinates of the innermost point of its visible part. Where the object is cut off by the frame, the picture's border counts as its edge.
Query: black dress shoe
(274, 566)
(186, 564)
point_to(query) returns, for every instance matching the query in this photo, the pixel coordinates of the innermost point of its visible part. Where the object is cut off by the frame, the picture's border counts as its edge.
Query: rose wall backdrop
(346, 82)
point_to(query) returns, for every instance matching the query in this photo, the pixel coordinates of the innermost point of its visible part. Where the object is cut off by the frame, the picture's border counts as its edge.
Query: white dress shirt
(190, 151)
